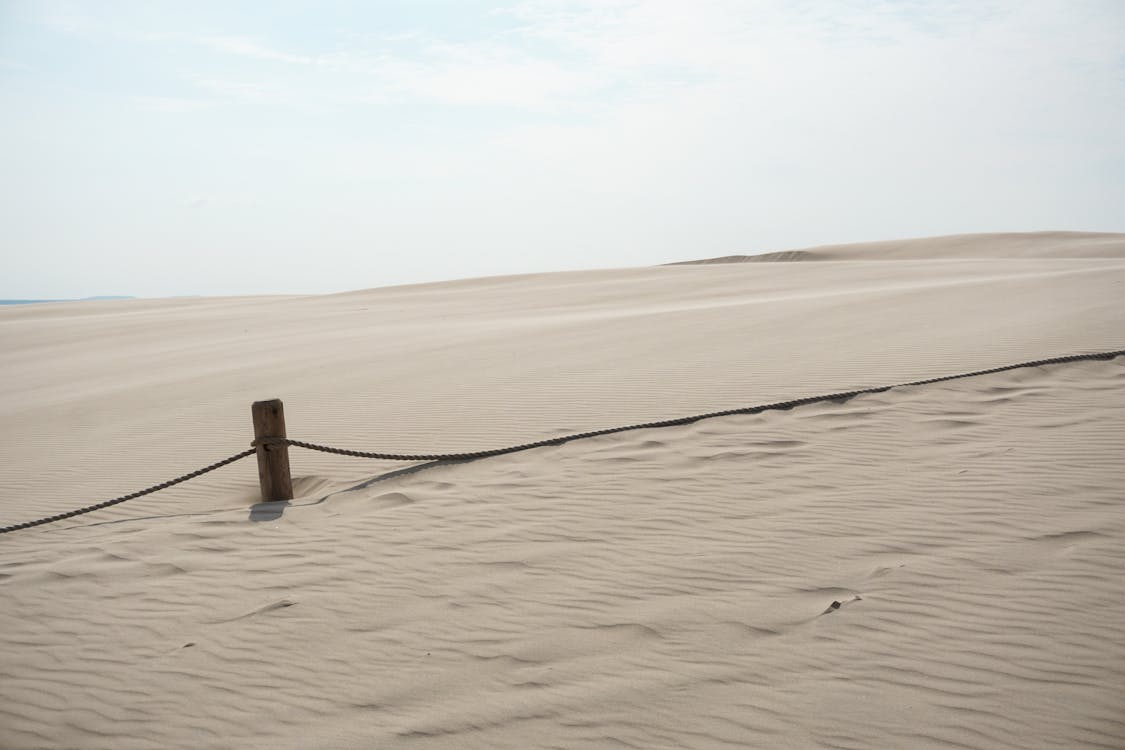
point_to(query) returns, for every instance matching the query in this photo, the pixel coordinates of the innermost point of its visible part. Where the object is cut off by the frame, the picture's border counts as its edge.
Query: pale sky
(175, 148)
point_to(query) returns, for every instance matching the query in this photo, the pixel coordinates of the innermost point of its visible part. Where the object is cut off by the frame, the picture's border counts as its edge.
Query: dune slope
(658, 588)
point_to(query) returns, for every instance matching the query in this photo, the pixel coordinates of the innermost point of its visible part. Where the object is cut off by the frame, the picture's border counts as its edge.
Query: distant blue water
(38, 301)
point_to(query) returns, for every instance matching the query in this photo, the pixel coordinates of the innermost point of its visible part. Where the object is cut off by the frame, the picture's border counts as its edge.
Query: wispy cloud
(206, 202)
(247, 47)
(172, 104)
(79, 21)
(478, 74)
(579, 56)
(236, 88)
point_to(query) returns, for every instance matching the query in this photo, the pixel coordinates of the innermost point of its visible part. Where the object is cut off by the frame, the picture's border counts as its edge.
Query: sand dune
(659, 588)
(1018, 245)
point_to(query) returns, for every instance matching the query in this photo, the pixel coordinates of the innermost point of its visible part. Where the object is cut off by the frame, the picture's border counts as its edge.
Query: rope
(779, 405)
(130, 496)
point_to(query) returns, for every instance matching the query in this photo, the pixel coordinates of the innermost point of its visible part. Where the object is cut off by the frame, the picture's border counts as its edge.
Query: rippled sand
(931, 566)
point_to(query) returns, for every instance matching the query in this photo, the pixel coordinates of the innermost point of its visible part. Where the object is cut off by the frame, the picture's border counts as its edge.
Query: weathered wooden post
(273, 458)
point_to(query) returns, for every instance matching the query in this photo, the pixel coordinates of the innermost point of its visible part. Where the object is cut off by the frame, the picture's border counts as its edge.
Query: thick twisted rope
(779, 405)
(131, 495)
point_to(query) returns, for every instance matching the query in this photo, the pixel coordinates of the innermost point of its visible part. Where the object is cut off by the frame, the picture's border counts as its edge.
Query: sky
(215, 148)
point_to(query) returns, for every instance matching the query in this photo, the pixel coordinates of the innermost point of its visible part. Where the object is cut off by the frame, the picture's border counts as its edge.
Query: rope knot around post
(272, 449)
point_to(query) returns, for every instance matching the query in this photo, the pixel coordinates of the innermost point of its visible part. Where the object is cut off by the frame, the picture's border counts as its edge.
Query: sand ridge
(1015, 245)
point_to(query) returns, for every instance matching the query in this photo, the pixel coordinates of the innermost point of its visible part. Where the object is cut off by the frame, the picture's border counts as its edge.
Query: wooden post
(273, 458)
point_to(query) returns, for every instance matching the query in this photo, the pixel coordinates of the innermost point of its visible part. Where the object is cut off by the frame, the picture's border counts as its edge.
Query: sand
(660, 588)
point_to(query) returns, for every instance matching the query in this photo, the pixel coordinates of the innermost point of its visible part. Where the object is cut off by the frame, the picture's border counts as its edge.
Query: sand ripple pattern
(781, 405)
(654, 589)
